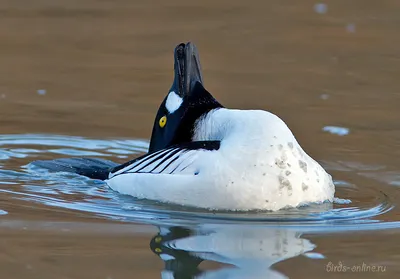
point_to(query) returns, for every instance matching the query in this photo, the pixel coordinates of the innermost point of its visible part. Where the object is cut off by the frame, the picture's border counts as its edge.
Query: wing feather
(172, 160)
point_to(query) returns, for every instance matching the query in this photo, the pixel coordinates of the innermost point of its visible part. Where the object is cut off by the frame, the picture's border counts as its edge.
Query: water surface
(85, 79)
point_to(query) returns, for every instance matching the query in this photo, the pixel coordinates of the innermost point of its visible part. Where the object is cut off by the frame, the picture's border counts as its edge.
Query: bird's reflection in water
(249, 252)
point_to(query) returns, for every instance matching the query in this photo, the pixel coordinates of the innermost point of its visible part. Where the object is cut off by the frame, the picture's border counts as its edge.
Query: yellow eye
(163, 121)
(158, 250)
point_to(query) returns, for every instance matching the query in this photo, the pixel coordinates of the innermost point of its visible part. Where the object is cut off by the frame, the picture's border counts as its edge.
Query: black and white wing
(172, 160)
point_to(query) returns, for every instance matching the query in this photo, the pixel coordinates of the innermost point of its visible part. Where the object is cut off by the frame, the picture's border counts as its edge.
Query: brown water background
(105, 66)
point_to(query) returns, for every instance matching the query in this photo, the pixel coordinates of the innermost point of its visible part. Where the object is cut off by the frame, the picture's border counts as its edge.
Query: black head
(186, 101)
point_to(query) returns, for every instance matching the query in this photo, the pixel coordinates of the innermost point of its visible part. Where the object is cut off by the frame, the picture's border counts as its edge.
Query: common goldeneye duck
(205, 155)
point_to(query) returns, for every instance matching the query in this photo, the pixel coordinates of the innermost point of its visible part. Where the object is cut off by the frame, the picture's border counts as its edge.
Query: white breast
(260, 163)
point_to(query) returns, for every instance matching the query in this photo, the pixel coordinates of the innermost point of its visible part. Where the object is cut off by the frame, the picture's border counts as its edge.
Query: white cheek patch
(173, 102)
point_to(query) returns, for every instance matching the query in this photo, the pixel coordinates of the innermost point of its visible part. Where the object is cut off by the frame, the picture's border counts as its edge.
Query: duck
(204, 155)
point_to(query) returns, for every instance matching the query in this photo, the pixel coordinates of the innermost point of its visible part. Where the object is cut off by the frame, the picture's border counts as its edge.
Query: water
(250, 242)
(85, 79)
(39, 185)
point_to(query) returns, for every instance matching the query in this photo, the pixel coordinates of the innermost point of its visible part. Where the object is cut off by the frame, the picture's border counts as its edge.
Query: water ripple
(353, 209)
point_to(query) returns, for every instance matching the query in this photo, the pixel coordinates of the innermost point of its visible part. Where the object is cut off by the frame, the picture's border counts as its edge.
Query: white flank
(259, 166)
(173, 102)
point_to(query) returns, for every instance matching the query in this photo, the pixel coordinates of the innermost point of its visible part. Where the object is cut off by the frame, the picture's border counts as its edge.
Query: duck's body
(258, 165)
(204, 155)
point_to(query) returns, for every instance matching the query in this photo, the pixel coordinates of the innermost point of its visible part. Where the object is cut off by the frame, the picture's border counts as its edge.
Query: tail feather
(90, 167)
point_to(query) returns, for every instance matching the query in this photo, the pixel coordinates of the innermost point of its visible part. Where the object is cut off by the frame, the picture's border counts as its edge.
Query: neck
(212, 126)
(200, 103)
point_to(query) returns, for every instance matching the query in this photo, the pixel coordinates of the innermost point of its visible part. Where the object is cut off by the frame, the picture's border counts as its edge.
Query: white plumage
(259, 165)
(173, 102)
